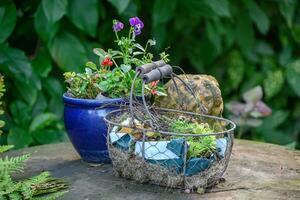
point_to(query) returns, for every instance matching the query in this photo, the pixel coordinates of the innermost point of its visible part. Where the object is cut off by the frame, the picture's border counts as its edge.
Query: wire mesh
(146, 145)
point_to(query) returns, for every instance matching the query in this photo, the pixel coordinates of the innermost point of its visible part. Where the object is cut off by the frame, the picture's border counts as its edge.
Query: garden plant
(31, 188)
(242, 43)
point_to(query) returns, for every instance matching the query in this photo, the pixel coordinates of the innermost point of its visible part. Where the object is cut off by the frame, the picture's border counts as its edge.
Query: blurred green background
(243, 43)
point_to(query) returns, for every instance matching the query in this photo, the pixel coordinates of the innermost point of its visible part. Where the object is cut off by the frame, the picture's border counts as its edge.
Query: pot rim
(91, 102)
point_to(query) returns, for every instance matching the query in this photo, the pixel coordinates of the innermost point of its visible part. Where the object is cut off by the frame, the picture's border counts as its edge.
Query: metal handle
(150, 66)
(157, 74)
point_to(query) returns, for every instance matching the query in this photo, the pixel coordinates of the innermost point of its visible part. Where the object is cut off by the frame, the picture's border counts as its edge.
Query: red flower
(106, 62)
(154, 83)
(154, 92)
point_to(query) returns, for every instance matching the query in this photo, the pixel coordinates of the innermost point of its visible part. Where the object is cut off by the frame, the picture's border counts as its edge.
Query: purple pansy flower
(118, 26)
(137, 24)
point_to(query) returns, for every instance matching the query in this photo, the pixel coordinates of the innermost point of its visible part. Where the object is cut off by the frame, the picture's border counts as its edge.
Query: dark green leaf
(16, 63)
(264, 48)
(45, 28)
(42, 63)
(120, 5)
(20, 112)
(131, 10)
(199, 8)
(163, 10)
(293, 76)
(63, 48)
(258, 16)
(296, 33)
(40, 105)
(56, 106)
(275, 120)
(277, 136)
(220, 7)
(28, 91)
(8, 16)
(53, 87)
(41, 121)
(19, 137)
(54, 9)
(49, 136)
(35, 79)
(287, 9)
(214, 36)
(86, 21)
(244, 33)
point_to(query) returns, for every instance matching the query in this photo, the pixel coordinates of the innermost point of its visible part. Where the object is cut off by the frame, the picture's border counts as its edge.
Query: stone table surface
(256, 171)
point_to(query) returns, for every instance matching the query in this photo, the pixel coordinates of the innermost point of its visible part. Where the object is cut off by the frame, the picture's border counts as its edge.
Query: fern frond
(5, 148)
(44, 184)
(13, 164)
(14, 196)
(51, 197)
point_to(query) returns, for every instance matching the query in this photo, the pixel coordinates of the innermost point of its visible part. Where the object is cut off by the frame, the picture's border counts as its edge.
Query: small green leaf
(103, 85)
(85, 21)
(99, 52)
(19, 137)
(163, 10)
(41, 121)
(120, 5)
(273, 83)
(54, 9)
(63, 48)
(258, 16)
(125, 68)
(91, 65)
(293, 76)
(8, 16)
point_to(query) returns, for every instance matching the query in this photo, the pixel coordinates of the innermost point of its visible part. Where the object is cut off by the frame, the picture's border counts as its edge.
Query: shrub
(242, 43)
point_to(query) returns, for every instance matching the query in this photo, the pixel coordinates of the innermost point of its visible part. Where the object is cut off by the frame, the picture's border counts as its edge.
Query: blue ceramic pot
(86, 127)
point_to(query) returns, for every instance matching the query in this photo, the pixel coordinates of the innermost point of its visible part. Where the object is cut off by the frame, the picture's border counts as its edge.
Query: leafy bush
(242, 43)
(29, 188)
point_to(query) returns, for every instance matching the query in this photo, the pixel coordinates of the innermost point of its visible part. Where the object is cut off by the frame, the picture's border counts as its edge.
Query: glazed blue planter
(86, 127)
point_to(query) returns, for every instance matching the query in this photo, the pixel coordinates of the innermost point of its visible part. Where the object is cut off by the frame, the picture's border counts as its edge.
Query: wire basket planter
(167, 147)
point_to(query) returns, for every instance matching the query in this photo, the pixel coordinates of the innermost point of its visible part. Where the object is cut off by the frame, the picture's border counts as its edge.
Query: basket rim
(220, 133)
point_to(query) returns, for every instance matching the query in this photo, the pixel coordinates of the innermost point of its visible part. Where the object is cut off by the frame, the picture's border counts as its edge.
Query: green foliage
(24, 189)
(103, 81)
(242, 43)
(198, 146)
